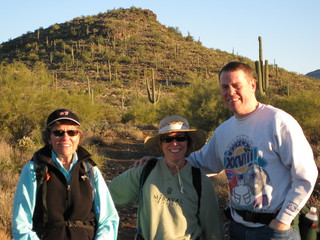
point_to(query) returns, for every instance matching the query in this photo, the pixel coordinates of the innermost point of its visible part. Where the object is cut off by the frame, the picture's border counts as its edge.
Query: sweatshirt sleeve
(296, 154)
(124, 188)
(207, 157)
(107, 215)
(24, 204)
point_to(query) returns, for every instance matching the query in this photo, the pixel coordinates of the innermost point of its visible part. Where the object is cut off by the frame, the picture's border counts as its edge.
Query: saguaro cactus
(152, 96)
(266, 75)
(258, 70)
(262, 70)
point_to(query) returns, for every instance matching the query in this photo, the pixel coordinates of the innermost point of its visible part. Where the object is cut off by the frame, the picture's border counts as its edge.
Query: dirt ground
(128, 213)
(121, 156)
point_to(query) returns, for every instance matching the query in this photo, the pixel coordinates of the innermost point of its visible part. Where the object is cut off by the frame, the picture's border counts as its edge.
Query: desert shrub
(24, 110)
(18, 114)
(141, 111)
(26, 144)
(201, 104)
(304, 108)
(12, 158)
(95, 151)
(127, 130)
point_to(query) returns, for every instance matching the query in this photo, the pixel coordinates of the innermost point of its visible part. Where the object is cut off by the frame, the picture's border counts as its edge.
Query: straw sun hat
(172, 124)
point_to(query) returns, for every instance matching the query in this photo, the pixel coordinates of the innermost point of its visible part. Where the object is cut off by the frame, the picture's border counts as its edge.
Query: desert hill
(121, 46)
(314, 74)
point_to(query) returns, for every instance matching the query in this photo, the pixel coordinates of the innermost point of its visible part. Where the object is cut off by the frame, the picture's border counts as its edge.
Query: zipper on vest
(68, 194)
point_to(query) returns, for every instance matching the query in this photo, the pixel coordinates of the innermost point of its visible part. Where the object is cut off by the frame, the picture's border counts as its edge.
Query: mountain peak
(314, 74)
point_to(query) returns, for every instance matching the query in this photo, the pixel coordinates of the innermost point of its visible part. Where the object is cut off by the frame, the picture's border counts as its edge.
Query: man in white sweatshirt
(266, 157)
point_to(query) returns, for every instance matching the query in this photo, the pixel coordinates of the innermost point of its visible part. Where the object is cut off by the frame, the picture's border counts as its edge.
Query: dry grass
(6, 200)
(4, 235)
(5, 153)
(221, 186)
(8, 182)
(124, 131)
(112, 134)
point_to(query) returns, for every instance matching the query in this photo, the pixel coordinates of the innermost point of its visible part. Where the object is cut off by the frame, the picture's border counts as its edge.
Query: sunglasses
(179, 138)
(60, 133)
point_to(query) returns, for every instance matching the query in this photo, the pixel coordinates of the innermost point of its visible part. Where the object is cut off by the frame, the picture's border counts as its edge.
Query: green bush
(304, 108)
(141, 111)
(200, 103)
(24, 110)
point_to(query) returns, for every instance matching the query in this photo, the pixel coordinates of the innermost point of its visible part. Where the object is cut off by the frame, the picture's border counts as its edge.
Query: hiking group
(268, 162)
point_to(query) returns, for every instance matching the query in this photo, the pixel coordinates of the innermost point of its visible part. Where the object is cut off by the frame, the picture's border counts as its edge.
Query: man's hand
(141, 161)
(277, 225)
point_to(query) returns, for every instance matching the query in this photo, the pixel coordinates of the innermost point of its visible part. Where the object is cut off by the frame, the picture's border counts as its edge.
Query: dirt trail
(121, 155)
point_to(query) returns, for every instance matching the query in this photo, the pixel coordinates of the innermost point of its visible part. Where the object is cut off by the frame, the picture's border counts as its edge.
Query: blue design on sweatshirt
(245, 171)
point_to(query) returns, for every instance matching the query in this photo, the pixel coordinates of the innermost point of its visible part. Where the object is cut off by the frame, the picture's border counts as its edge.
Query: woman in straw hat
(169, 206)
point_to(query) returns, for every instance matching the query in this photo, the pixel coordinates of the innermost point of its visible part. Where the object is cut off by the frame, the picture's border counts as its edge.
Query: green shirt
(165, 212)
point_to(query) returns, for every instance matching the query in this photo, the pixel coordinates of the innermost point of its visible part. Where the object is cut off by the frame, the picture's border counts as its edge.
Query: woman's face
(174, 146)
(65, 140)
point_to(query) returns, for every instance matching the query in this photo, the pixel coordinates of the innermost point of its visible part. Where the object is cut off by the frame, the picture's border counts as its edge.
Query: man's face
(238, 92)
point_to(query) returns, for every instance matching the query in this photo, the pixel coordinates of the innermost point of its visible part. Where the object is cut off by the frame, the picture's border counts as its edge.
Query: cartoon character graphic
(257, 180)
(241, 195)
(248, 180)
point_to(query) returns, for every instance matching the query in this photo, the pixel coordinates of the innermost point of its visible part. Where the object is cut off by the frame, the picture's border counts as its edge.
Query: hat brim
(64, 118)
(197, 136)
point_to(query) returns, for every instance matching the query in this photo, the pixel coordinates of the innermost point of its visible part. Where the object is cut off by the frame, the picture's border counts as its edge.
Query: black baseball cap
(63, 114)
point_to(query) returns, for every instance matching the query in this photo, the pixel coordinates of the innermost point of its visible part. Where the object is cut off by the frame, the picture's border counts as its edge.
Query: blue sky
(289, 28)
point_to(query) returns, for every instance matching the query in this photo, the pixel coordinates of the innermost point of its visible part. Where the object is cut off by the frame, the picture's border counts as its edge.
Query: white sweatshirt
(267, 160)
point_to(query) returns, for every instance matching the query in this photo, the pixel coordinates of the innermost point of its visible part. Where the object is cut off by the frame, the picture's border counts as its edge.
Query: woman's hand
(141, 161)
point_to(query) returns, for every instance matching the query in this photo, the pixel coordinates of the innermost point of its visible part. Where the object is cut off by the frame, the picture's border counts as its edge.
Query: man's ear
(254, 84)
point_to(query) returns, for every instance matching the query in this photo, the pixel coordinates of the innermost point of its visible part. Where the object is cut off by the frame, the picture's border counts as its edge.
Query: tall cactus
(258, 69)
(88, 85)
(260, 49)
(266, 75)
(277, 70)
(152, 91)
(263, 77)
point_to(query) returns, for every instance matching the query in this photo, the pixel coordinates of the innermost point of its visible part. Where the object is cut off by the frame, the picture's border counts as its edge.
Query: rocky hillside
(119, 44)
(121, 47)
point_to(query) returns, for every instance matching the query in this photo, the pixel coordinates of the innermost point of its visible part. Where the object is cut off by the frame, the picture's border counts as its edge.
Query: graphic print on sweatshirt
(245, 170)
